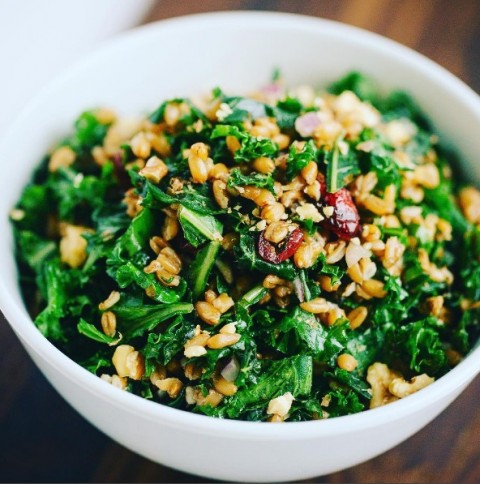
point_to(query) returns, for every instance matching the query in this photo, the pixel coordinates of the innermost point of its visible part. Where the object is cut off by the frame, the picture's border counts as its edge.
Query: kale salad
(291, 255)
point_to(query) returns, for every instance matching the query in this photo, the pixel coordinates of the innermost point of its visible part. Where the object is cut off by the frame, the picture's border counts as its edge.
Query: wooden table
(43, 440)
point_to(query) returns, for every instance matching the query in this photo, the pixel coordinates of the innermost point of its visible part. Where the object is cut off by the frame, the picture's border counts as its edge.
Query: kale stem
(198, 221)
(252, 296)
(206, 259)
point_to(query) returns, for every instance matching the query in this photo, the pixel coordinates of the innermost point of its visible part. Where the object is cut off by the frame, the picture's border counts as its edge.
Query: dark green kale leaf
(298, 160)
(398, 104)
(335, 272)
(251, 147)
(77, 195)
(361, 85)
(199, 228)
(421, 342)
(135, 318)
(467, 331)
(302, 333)
(417, 281)
(237, 178)
(367, 346)
(34, 250)
(380, 162)
(97, 361)
(136, 237)
(351, 381)
(89, 132)
(128, 274)
(276, 378)
(90, 331)
(193, 115)
(394, 307)
(442, 201)
(286, 112)
(162, 347)
(191, 198)
(343, 402)
(62, 291)
(35, 203)
(252, 297)
(341, 168)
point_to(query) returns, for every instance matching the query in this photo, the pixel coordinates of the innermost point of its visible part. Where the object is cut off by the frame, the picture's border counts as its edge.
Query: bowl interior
(238, 52)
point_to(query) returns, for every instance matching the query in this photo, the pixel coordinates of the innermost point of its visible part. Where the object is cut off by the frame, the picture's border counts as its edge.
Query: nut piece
(220, 193)
(310, 172)
(73, 247)
(62, 157)
(401, 388)
(380, 376)
(128, 362)
(154, 170)
(437, 274)
(281, 405)
(115, 380)
(140, 145)
(170, 227)
(172, 386)
(372, 288)
(135, 365)
(469, 199)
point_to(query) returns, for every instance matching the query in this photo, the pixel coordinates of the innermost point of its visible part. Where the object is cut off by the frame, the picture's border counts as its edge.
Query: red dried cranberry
(345, 221)
(283, 251)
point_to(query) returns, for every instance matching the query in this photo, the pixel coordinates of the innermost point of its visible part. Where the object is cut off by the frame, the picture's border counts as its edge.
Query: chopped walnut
(402, 388)
(380, 376)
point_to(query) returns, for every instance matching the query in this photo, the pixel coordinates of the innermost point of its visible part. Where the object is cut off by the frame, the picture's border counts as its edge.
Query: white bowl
(236, 51)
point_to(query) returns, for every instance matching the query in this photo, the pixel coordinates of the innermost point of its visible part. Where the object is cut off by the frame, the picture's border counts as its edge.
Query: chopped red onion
(273, 91)
(307, 123)
(298, 288)
(231, 370)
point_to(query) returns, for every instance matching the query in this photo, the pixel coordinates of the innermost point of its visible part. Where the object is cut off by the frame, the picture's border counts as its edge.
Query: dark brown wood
(43, 440)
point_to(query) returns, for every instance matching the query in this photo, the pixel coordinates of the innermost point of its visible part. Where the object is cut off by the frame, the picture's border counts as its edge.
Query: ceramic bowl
(182, 57)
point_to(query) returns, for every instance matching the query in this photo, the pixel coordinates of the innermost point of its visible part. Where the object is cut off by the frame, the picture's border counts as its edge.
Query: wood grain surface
(43, 440)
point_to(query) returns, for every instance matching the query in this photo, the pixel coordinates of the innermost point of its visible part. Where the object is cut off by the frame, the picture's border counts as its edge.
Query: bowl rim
(23, 326)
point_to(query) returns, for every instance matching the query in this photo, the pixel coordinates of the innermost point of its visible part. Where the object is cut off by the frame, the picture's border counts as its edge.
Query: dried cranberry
(283, 251)
(345, 221)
